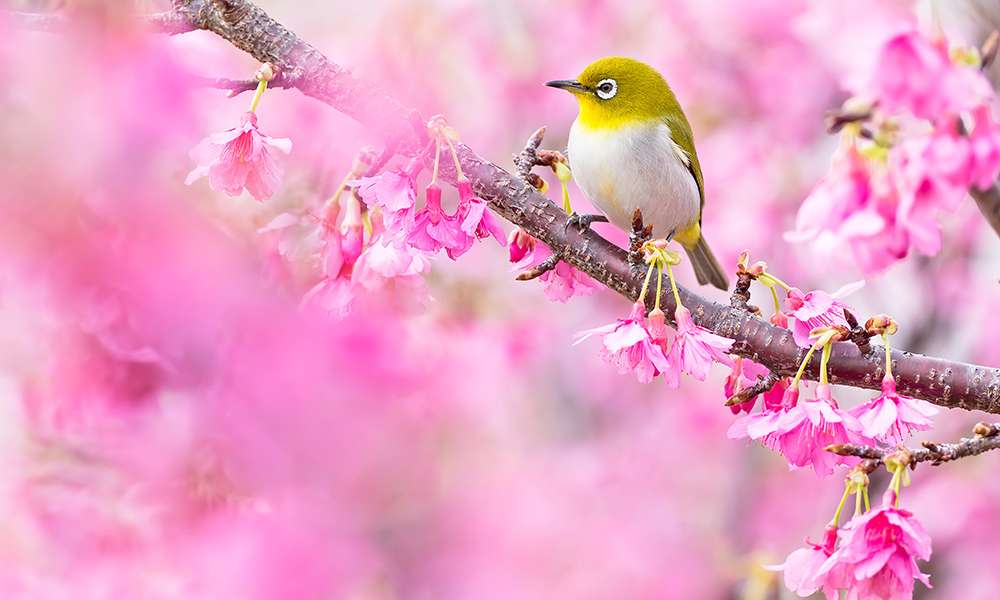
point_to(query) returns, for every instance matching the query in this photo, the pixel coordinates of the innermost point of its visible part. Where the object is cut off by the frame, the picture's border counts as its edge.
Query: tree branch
(944, 382)
(986, 437)
(988, 201)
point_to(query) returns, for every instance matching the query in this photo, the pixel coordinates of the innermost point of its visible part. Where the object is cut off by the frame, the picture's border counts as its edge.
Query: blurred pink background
(172, 424)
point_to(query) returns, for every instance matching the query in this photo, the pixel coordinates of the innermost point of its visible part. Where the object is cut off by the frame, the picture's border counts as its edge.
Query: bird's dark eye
(606, 89)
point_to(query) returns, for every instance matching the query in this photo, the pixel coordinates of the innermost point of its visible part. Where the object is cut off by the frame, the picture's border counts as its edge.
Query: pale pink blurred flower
(917, 74)
(817, 309)
(695, 349)
(433, 229)
(802, 568)
(890, 418)
(842, 193)
(245, 161)
(628, 345)
(565, 281)
(879, 549)
(335, 292)
(984, 142)
(477, 220)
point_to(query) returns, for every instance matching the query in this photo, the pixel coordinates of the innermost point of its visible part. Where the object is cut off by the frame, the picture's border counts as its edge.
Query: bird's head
(616, 91)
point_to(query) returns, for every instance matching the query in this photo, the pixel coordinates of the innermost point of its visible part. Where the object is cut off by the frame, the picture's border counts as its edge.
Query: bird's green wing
(680, 130)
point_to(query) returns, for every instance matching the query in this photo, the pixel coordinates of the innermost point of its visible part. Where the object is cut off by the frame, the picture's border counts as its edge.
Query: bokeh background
(174, 425)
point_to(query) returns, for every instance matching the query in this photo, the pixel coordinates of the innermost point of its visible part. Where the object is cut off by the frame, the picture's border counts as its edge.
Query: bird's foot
(583, 222)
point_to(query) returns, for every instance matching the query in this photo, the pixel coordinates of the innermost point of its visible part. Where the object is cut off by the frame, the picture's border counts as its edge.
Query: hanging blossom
(890, 418)
(342, 247)
(394, 193)
(800, 430)
(245, 160)
(628, 345)
(887, 188)
(878, 552)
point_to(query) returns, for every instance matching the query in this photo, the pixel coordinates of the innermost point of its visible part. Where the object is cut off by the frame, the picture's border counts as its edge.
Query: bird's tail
(706, 268)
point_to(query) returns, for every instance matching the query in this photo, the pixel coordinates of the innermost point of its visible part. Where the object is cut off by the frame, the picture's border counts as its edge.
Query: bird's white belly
(633, 167)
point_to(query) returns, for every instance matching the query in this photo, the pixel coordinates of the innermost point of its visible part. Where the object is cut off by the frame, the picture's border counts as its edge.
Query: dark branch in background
(986, 437)
(988, 202)
(246, 26)
(238, 86)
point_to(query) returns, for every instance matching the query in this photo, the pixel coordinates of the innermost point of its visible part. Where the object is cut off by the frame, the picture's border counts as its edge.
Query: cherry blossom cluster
(638, 344)
(874, 555)
(915, 141)
(801, 429)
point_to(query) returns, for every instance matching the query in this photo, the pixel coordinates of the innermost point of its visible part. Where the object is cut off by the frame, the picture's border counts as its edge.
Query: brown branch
(239, 86)
(986, 437)
(947, 383)
(762, 386)
(541, 269)
(988, 201)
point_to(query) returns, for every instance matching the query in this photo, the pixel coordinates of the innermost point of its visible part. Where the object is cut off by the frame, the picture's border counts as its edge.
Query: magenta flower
(744, 374)
(916, 74)
(801, 430)
(245, 161)
(629, 346)
(817, 309)
(878, 553)
(890, 418)
(984, 142)
(695, 349)
(433, 229)
(477, 221)
(394, 192)
(802, 568)
(520, 247)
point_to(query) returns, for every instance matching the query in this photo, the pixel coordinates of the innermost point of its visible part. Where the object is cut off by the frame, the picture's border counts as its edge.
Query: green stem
(823, 362)
(565, 195)
(802, 367)
(645, 284)
(777, 302)
(888, 356)
(857, 503)
(868, 505)
(772, 278)
(673, 284)
(261, 86)
(840, 507)
(659, 286)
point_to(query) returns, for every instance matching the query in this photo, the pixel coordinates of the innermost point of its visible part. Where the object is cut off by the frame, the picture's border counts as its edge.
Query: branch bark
(986, 437)
(249, 28)
(988, 201)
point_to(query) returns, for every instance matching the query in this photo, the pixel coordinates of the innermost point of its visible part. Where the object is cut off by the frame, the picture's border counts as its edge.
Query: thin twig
(986, 437)
(762, 386)
(541, 269)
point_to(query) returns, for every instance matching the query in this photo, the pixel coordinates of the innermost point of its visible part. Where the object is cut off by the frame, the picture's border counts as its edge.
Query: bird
(631, 147)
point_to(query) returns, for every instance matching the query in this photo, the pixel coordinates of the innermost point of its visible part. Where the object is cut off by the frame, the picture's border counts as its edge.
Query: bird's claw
(583, 222)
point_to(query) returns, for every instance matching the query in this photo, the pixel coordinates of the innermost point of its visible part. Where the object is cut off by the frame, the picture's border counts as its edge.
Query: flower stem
(802, 367)
(840, 507)
(565, 197)
(437, 159)
(454, 156)
(824, 361)
(897, 482)
(261, 86)
(775, 280)
(857, 502)
(777, 303)
(659, 286)
(888, 356)
(868, 505)
(673, 285)
(645, 284)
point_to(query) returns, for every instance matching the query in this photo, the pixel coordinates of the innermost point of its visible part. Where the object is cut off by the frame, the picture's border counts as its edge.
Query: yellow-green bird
(631, 147)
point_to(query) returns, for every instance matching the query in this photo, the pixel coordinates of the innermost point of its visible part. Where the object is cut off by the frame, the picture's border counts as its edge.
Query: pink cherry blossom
(817, 309)
(433, 229)
(394, 192)
(879, 550)
(801, 430)
(802, 568)
(890, 418)
(245, 161)
(565, 281)
(477, 220)
(695, 349)
(628, 345)
(743, 375)
(916, 74)
(335, 291)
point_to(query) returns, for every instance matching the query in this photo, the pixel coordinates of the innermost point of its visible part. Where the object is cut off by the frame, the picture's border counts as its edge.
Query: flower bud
(881, 324)
(265, 72)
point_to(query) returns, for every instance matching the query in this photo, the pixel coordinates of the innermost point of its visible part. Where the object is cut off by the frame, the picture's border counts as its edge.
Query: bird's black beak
(570, 85)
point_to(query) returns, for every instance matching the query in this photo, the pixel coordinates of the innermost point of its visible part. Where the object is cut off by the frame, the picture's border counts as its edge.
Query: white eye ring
(606, 89)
